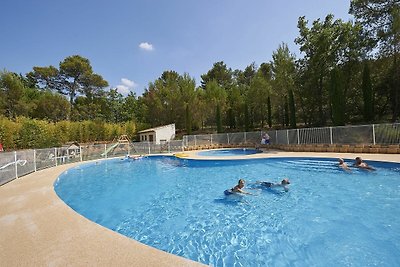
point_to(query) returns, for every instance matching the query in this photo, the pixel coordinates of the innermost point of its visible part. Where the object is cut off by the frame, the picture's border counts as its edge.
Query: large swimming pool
(328, 218)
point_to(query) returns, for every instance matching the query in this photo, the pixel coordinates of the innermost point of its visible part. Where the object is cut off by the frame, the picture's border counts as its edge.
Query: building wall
(165, 134)
(160, 135)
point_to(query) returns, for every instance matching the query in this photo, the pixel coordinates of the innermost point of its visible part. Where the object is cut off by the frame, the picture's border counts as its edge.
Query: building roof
(156, 128)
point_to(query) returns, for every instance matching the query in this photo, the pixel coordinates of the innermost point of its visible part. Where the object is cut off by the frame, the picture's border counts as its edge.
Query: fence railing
(19, 163)
(382, 134)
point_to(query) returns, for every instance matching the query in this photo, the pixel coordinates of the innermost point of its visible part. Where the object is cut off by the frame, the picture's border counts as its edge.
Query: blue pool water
(328, 217)
(229, 152)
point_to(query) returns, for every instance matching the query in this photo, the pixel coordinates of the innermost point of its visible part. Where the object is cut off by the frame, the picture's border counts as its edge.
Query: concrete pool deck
(38, 229)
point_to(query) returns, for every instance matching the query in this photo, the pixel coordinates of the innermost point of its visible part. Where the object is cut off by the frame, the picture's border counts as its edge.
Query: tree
(283, 75)
(11, 92)
(337, 98)
(269, 108)
(50, 106)
(292, 110)
(216, 96)
(381, 25)
(74, 76)
(367, 95)
(326, 45)
(219, 73)
(187, 87)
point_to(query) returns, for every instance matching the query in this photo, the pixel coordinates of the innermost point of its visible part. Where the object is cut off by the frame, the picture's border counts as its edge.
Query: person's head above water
(341, 161)
(285, 181)
(241, 183)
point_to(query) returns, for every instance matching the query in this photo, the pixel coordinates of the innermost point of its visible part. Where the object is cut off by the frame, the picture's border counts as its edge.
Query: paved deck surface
(38, 229)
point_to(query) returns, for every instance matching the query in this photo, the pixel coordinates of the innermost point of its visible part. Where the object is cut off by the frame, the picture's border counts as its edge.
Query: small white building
(158, 135)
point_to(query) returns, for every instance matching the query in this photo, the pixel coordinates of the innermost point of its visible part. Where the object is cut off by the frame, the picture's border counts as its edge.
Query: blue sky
(130, 43)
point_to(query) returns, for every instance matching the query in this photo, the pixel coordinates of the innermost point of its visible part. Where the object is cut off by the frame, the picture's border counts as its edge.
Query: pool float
(181, 155)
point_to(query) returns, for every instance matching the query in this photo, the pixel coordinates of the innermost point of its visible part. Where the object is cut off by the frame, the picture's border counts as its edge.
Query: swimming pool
(229, 152)
(328, 217)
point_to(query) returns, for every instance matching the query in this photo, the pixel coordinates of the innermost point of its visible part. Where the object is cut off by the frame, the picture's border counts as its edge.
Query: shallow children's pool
(229, 152)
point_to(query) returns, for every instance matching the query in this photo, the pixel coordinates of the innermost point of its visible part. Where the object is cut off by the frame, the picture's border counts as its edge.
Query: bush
(31, 133)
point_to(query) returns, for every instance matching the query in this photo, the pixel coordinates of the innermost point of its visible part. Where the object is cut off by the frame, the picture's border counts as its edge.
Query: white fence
(19, 163)
(382, 134)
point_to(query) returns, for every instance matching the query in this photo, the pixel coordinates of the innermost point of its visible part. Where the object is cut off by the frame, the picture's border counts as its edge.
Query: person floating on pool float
(237, 189)
(134, 157)
(284, 184)
(362, 165)
(343, 165)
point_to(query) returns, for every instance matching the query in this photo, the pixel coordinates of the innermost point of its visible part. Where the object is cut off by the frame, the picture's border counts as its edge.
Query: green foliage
(8, 133)
(11, 92)
(35, 134)
(337, 98)
(283, 76)
(269, 108)
(75, 75)
(292, 111)
(368, 95)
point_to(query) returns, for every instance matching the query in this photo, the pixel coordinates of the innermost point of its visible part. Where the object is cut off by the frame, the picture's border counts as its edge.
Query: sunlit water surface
(328, 218)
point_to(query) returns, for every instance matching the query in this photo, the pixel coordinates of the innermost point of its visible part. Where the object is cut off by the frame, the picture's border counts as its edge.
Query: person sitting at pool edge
(282, 184)
(343, 165)
(362, 165)
(237, 189)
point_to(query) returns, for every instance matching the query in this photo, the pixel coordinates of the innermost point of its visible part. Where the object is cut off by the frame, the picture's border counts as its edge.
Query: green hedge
(26, 133)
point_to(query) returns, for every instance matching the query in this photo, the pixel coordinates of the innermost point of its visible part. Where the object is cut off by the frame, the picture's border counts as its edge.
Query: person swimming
(343, 165)
(282, 184)
(359, 163)
(237, 189)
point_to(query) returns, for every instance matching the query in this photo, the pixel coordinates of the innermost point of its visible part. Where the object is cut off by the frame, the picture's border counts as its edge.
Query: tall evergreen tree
(368, 95)
(337, 98)
(292, 110)
(269, 111)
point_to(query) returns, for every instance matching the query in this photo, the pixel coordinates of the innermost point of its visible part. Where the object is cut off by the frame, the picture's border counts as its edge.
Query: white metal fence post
(298, 136)
(183, 145)
(331, 134)
(373, 133)
(80, 153)
(195, 143)
(149, 149)
(34, 160)
(55, 156)
(287, 136)
(245, 141)
(276, 136)
(105, 150)
(15, 163)
(227, 136)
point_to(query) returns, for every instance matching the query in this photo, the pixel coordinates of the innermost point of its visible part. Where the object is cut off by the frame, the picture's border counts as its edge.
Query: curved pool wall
(307, 232)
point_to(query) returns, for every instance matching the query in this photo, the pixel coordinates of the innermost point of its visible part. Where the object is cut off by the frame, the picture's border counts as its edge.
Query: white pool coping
(38, 229)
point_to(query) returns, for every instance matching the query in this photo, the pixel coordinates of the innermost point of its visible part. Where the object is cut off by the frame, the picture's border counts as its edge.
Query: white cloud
(146, 46)
(126, 86)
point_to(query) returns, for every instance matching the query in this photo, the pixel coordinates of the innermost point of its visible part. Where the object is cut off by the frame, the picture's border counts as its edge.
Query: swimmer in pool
(282, 184)
(237, 189)
(343, 165)
(359, 163)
